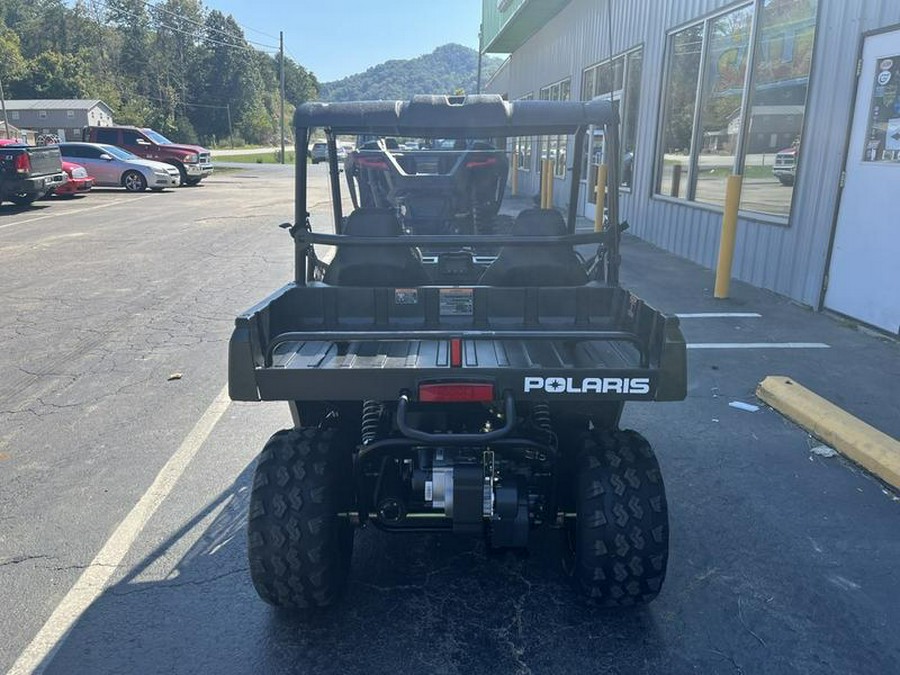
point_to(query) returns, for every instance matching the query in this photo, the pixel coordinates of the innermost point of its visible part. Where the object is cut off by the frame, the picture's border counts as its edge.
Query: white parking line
(39, 652)
(757, 345)
(72, 213)
(720, 315)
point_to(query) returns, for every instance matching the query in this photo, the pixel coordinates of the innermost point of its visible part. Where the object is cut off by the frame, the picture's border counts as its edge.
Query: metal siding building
(786, 255)
(52, 115)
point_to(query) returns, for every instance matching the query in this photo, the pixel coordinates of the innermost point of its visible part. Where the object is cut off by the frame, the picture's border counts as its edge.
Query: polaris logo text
(588, 385)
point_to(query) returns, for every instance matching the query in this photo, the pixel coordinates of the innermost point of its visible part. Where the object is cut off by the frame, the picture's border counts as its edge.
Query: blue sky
(335, 38)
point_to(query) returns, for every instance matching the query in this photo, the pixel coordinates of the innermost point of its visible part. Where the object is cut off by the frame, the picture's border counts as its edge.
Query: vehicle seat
(391, 266)
(538, 265)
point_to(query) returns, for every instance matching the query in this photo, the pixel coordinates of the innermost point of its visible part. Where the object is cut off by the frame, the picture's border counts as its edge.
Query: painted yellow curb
(864, 444)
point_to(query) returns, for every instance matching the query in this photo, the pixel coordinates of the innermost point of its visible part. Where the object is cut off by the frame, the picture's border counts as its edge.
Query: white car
(114, 167)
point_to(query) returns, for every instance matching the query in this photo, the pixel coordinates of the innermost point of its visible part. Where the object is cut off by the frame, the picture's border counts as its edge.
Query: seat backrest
(546, 265)
(391, 266)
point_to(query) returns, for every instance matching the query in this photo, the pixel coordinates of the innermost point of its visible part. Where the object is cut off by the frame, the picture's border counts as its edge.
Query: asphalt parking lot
(125, 473)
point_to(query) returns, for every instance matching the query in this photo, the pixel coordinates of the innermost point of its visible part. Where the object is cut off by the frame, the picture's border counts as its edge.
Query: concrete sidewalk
(858, 370)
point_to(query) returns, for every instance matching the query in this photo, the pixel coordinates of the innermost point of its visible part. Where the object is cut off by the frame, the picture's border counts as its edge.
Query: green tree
(54, 75)
(12, 63)
(230, 77)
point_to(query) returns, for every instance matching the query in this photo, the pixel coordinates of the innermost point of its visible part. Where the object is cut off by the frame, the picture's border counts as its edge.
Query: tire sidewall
(628, 524)
(309, 470)
(137, 186)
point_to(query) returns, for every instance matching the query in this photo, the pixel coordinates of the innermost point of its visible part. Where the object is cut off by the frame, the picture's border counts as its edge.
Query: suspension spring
(371, 421)
(540, 416)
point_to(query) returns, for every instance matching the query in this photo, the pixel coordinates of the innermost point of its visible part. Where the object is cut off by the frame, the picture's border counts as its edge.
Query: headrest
(539, 223)
(373, 223)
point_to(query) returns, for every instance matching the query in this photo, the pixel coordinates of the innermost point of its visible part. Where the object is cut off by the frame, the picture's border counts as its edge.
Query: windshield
(157, 137)
(118, 153)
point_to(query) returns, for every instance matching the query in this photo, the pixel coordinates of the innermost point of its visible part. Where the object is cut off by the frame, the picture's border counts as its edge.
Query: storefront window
(778, 104)
(685, 49)
(633, 70)
(620, 80)
(554, 147)
(522, 145)
(720, 109)
(700, 141)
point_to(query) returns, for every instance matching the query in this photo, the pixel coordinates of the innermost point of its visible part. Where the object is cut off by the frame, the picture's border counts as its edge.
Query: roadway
(125, 474)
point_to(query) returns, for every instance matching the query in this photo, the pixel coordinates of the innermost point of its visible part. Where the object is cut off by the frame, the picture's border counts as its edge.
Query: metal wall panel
(788, 259)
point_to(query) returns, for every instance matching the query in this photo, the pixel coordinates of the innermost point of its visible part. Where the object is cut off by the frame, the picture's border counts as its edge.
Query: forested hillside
(447, 70)
(171, 64)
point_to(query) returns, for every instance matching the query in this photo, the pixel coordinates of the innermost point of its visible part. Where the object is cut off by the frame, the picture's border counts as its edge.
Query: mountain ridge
(446, 70)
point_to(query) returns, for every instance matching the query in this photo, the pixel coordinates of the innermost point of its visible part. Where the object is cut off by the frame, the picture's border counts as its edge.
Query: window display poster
(883, 135)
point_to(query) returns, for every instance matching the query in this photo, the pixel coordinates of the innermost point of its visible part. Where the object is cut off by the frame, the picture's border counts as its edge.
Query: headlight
(191, 159)
(80, 172)
(161, 172)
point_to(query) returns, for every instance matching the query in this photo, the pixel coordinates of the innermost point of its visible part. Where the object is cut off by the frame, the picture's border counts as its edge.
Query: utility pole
(480, 34)
(230, 133)
(3, 103)
(281, 116)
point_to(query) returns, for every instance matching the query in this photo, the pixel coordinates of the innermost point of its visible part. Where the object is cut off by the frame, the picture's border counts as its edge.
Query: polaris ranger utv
(435, 387)
(451, 186)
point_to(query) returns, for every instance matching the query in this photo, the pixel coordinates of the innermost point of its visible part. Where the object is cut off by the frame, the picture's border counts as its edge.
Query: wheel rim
(133, 182)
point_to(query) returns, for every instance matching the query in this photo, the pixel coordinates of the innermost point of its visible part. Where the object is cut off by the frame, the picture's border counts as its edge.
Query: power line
(203, 26)
(193, 34)
(255, 30)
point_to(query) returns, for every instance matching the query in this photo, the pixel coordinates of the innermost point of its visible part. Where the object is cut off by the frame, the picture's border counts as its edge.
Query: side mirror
(108, 158)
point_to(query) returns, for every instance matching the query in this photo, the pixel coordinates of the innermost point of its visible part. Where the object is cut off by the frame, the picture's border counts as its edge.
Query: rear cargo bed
(320, 342)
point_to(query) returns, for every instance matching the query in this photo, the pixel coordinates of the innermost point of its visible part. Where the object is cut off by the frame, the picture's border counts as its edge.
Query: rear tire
(298, 548)
(134, 181)
(618, 546)
(24, 199)
(182, 173)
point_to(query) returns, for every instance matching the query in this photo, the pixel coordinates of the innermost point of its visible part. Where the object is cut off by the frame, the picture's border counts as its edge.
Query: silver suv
(319, 152)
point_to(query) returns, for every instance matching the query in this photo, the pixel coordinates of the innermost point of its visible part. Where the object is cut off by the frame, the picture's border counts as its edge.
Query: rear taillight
(372, 163)
(456, 392)
(478, 163)
(23, 163)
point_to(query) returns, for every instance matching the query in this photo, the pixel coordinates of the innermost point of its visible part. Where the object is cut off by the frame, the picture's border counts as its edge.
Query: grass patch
(261, 158)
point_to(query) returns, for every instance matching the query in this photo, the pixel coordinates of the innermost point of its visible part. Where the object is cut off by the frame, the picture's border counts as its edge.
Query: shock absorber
(371, 421)
(540, 416)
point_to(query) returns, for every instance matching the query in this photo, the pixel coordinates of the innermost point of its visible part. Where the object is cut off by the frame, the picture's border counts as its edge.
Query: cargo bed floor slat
(411, 354)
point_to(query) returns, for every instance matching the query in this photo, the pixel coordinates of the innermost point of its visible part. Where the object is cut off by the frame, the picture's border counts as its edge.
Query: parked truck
(28, 173)
(192, 161)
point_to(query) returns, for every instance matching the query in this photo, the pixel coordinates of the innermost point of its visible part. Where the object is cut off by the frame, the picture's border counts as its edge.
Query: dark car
(27, 173)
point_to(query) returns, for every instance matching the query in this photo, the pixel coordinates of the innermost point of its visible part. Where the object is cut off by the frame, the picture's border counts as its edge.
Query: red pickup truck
(192, 161)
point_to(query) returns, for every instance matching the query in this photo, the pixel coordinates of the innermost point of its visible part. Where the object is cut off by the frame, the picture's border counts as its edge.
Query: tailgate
(45, 160)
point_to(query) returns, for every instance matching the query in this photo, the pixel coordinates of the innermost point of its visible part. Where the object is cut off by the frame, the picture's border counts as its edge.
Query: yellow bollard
(514, 165)
(545, 175)
(600, 198)
(549, 184)
(729, 231)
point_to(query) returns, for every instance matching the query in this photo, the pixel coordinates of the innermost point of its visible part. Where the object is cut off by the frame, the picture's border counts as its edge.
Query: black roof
(447, 116)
